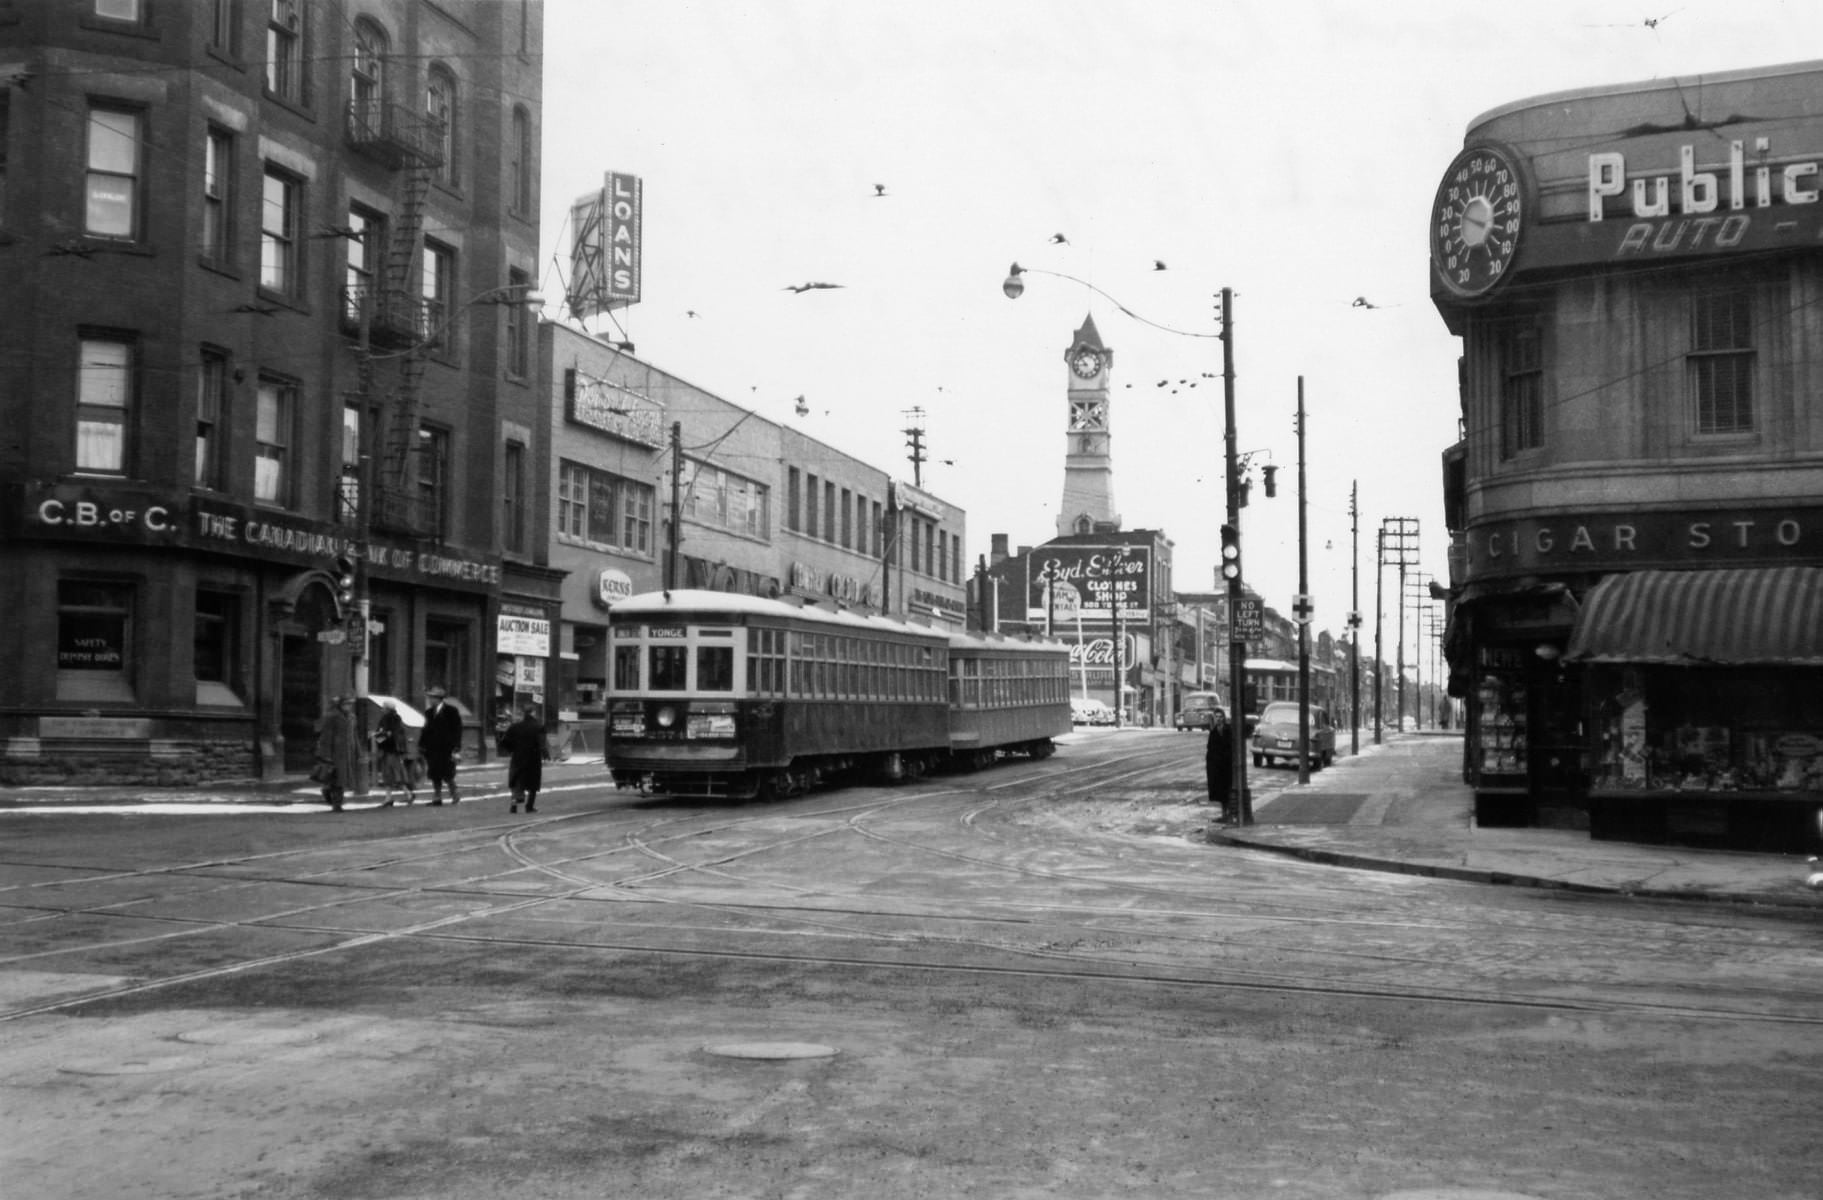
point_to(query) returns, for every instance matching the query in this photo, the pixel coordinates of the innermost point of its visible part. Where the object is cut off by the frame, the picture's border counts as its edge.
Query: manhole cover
(772, 1050)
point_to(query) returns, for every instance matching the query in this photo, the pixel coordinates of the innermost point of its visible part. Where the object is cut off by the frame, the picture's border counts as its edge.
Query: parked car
(1198, 711)
(1276, 736)
(1090, 712)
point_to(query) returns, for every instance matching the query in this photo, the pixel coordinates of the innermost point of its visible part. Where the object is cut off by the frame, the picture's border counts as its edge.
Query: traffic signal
(1272, 480)
(344, 580)
(1231, 553)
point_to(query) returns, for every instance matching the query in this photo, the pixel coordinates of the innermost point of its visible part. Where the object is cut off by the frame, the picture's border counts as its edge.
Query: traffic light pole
(1241, 811)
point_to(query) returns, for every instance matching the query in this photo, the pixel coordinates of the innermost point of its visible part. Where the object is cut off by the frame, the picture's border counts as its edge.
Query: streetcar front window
(626, 668)
(668, 668)
(715, 668)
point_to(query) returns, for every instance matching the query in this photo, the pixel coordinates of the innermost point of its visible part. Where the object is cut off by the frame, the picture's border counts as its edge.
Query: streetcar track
(646, 838)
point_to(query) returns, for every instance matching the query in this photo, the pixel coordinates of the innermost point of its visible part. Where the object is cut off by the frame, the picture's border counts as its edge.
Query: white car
(1090, 712)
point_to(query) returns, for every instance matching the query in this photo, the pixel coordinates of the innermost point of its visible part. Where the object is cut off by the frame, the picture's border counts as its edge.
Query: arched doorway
(310, 669)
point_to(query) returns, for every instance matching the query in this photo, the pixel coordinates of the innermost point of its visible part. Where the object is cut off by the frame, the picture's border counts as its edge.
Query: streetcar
(727, 695)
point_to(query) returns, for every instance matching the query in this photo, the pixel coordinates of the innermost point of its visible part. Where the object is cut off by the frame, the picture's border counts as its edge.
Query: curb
(1339, 858)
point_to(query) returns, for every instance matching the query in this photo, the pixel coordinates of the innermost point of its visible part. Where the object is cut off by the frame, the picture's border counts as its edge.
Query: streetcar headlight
(665, 717)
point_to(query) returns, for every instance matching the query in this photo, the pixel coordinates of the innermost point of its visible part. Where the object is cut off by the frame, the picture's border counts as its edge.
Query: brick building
(262, 330)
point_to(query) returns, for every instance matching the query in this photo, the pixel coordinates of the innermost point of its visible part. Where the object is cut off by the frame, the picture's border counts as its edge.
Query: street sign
(335, 637)
(1249, 620)
(1302, 608)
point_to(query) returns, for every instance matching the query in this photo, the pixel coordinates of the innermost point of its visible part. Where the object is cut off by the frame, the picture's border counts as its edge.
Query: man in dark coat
(337, 758)
(1218, 761)
(439, 744)
(527, 750)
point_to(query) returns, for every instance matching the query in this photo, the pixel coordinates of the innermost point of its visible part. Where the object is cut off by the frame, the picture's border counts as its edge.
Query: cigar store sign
(1633, 541)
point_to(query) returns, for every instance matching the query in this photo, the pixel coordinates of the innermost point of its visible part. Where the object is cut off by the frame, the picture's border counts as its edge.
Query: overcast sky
(1287, 149)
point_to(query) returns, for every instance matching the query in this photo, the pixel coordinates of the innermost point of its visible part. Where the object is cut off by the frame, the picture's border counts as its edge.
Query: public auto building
(1636, 503)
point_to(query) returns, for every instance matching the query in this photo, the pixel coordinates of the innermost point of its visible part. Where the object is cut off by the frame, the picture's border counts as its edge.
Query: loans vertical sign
(606, 254)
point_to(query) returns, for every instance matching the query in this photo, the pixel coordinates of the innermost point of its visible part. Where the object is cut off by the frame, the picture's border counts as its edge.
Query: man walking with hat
(439, 744)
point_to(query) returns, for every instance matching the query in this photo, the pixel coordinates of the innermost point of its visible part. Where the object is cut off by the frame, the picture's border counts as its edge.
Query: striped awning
(1695, 618)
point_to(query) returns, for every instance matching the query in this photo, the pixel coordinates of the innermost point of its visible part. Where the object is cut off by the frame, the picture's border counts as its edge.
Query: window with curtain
(275, 411)
(285, 50)
(104, 404)
(211, 411)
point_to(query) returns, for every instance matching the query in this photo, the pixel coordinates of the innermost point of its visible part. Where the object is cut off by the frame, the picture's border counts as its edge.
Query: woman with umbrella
(389, 749)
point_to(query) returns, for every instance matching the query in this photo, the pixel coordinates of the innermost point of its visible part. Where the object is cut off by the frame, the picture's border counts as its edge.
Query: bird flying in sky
(801, 288)
(879, 190)
(1057, 239)
(1158, 264)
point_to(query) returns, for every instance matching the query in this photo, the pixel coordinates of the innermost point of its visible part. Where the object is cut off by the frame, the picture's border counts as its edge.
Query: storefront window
(94, 648)
(1706, 730)
(446, 659)
(216, 648)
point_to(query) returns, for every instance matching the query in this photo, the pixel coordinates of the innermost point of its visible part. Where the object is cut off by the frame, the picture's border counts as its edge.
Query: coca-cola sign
(1106, 580)
(1099, 652)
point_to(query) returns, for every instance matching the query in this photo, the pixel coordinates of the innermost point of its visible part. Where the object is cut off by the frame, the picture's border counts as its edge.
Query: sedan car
(1276, 736)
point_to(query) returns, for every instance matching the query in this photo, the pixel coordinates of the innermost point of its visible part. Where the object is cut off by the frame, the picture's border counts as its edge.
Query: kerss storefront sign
(1621, 541)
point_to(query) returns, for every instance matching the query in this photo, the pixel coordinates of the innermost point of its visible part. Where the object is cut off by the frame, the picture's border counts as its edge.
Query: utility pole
(914, 440)
(1237, 649)
(1354, 618)
(677, 495)
(1399, 539)
(1302, 611)
(1114, 609)
(1379, 618)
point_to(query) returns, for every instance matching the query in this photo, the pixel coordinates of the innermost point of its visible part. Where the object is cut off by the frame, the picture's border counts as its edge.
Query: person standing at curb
(527, 750)
(1218, 762)
(336, 760)
(440, 742)
(389, 748)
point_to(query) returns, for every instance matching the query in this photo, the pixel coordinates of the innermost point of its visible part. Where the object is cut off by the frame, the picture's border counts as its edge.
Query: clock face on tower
(1088, 414)
(1085, 363)
(1476, 221)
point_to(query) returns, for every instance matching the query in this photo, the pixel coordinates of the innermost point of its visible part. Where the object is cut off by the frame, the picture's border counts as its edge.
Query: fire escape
(402, 327)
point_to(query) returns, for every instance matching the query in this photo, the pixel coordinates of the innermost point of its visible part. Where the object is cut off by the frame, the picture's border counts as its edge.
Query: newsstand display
(1707, 756)
(1498, 738)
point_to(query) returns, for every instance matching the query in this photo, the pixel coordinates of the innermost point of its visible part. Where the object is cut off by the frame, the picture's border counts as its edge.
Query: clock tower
(1088, 463)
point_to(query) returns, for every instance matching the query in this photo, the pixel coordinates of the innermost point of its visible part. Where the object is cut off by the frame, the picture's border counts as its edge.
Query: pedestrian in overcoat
(337, 759)
(1218, 761)
(440, 742)
(527, 750)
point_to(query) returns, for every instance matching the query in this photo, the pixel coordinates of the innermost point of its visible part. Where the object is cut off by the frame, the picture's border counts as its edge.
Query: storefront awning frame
(1743, 616)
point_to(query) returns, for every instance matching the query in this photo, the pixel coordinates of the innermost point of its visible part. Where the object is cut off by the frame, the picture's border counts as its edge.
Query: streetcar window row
(778, 663)
(1007, 682)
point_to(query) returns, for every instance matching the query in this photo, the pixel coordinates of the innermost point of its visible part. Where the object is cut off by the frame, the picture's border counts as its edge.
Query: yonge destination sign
(1103, 578)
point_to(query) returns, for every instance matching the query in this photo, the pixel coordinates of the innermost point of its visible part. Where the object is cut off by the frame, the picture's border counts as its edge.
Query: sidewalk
(1402, 806)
